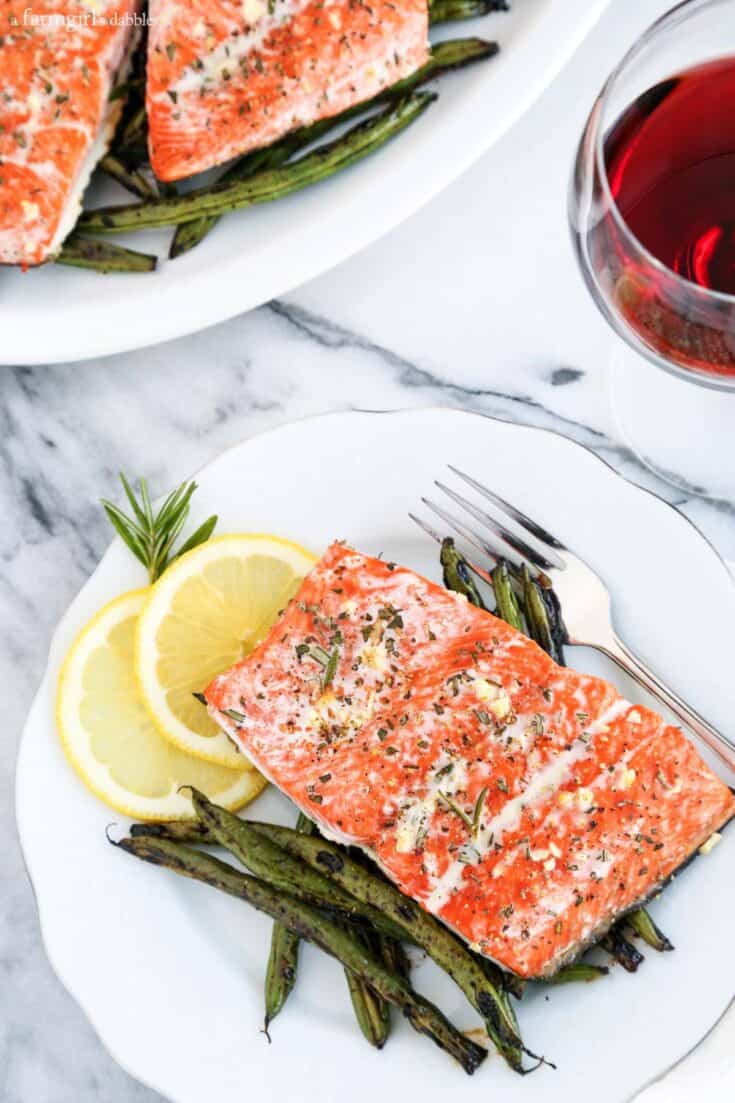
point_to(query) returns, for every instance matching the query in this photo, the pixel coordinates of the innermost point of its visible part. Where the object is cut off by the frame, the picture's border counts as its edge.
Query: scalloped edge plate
(170, 973)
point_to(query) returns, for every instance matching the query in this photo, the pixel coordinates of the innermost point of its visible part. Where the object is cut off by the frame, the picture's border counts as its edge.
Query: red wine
(670, 162)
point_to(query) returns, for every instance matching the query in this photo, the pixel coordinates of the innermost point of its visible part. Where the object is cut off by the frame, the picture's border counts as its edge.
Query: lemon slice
(209, 609)
(111, 740)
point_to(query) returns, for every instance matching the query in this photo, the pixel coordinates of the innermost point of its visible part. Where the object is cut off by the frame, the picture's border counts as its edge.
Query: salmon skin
(526, 805)
(59, 60)
(228, 76)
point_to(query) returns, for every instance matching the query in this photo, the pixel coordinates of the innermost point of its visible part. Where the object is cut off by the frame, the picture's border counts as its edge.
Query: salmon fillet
(228, 76)
(59, 60)
(526, 805)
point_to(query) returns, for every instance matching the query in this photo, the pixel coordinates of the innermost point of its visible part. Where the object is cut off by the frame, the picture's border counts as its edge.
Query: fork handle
(628, 661)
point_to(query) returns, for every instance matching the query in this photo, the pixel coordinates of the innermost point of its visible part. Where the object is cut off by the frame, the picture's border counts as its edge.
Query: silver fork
(584, 597)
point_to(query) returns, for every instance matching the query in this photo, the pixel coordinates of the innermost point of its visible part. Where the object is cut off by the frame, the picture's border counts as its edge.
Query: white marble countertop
(475, 303)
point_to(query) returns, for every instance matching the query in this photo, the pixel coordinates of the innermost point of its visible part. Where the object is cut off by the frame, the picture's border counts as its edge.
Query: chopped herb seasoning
(454, 807)
(314, 651)
(477, 814)
(238, 717)
(331, 668)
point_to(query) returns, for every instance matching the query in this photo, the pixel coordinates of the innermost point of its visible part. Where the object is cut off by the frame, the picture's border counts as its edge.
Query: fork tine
(478, 570)
(521, 518)
(516, 543)
(426, 528)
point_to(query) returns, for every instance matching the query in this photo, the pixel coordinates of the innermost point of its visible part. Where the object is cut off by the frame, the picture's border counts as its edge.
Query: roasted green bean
(313, 926)
(486, 995)
(265, 186)
(103, 256)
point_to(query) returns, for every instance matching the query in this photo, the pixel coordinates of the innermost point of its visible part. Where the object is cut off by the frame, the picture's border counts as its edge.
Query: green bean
(272, 863)
(579, 971)
(537, 615)
(135, 131)
(644, 926)
(457, 575)
(372, 1012)
(85, 252)
(621, 950)
(132, 181)
(177, 831)
(485, 995)
(311, 925)
(394, 956)
(559, 633)
(280, 975)
(444, 57)
(365, 1001)
(189, 234)
(507, 603)
(451, 11)
(265, 186)
(193, 831)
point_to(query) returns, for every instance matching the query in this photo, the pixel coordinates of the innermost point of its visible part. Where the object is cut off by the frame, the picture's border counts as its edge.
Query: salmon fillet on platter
(229, 76)
(524, 804)
(59, 61)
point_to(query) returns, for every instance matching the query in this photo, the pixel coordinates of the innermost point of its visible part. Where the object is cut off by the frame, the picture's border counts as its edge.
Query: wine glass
(652, 213)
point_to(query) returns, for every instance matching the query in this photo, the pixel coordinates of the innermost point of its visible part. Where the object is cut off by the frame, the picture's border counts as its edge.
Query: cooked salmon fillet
(228, 76)
(523, 803)
(58, 62)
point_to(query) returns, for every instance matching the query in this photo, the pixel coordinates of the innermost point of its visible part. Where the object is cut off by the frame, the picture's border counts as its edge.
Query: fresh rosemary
(151, 536)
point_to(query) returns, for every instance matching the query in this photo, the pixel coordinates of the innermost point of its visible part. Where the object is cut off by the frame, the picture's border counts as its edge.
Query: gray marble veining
(382, 332)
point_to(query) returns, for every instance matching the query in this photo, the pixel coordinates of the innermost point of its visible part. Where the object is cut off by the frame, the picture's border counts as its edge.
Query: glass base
(683, 432)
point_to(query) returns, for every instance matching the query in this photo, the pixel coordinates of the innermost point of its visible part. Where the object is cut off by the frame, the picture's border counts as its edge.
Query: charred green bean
(457, 575)
(579, 971)
(624, 952)
(313, 926)
(103, 256)
(274, 864)
(508, 608)
(265, 186)
(486, 996)
(643, 925)
(280, 975)
(451, 11)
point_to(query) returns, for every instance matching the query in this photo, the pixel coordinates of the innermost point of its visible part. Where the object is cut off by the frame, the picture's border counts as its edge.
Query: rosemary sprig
(238, 717)
(314, 651)
(151, 536)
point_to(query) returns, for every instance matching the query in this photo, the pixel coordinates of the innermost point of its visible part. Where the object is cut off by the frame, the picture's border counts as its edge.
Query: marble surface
(474, 303)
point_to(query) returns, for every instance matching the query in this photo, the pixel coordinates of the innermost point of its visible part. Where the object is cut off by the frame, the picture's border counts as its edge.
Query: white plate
(51, 315)
(170, 973)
